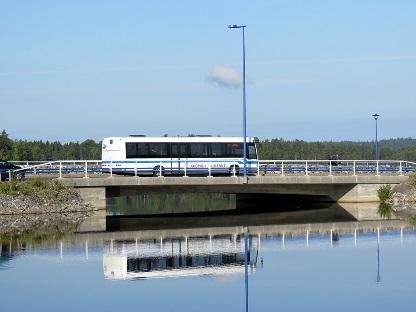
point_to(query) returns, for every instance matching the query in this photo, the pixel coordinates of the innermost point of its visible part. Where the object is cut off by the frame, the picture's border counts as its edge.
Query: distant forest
(402, 148)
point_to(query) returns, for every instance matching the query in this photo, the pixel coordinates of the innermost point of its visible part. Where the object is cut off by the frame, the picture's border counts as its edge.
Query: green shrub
(38, 182)
(4, 188)
(57, 186)
(384, 192)
(8, 187)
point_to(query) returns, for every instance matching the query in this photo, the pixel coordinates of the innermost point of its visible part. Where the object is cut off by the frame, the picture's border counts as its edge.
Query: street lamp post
(244, 98)
(376, 116)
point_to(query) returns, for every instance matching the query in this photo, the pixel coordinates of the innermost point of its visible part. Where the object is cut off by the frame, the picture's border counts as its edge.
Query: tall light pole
(376, 116)
(244, 98)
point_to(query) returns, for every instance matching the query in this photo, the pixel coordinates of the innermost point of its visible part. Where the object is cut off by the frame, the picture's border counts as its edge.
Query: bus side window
(131, 150)
(137, 150)
(158, 150)
(217, 149)
(199, 150)
(234, 149)
(179, 150)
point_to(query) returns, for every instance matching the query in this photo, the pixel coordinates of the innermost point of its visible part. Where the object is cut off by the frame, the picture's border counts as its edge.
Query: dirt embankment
(39, 196)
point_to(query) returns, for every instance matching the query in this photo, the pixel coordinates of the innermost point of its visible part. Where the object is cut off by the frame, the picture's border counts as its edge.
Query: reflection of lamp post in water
(246, 255)
(378, 279)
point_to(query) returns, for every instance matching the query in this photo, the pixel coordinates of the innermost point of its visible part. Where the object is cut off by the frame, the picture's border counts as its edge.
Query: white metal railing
(335, 167)
(93, 168)
(60, 168)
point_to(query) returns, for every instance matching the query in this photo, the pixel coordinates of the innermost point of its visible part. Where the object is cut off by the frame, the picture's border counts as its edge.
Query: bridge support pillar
(94, 196)
(361, 193)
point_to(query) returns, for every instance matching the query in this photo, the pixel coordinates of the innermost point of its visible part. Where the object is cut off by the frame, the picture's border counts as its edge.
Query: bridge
(328, 180)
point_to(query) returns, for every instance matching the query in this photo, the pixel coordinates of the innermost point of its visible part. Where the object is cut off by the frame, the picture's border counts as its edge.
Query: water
(296, 262)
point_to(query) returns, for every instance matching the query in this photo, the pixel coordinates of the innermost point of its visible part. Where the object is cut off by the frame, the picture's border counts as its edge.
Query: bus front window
(252, 151)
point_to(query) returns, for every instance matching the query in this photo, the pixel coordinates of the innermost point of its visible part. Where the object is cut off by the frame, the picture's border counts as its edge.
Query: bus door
(179, 153)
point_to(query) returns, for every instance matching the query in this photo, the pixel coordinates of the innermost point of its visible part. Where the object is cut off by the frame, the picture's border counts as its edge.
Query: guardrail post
(34, 170)
(353, 168)
(400, 168)
(306, 167)
(377, 169)
(111, 169)
(234, 169)
(60, 170)
(281, 169)
(135, 169)
(160, 169)
(186, 165)
(258, 167)
(86, 169)
(330, 168)
(209, 170)
(10, 175)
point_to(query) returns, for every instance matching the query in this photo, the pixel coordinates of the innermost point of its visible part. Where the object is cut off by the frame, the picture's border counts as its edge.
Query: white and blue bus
(201, 155)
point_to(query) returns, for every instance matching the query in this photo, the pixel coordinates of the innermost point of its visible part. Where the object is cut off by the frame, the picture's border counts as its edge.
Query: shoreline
(37, 196)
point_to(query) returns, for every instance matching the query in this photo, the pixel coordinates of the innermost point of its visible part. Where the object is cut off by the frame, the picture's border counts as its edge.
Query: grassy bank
(37, 195)
(37, 187)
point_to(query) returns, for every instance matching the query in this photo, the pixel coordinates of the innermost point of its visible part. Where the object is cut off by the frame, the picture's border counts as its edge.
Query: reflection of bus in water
(219, 255)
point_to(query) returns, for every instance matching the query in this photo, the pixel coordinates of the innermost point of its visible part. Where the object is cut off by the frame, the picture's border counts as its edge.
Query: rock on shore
(39, 196)
(40, 208)
(19, 204)
(403, 200)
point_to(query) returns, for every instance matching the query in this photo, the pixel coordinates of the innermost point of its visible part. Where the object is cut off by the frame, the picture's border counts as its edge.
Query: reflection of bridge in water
(213, 245)
(217, 251)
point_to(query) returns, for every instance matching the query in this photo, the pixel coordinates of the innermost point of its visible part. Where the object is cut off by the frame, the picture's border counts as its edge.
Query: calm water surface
(333, 265)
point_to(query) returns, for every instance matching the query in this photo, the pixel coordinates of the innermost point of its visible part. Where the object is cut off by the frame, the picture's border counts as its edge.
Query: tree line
(45, 150)
(401, 148)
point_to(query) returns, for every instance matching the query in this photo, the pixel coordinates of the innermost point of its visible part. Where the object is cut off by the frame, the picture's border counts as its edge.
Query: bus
(159, 156)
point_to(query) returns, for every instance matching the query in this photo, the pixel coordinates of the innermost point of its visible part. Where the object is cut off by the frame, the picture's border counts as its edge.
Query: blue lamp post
(244, 98)
(376, 116)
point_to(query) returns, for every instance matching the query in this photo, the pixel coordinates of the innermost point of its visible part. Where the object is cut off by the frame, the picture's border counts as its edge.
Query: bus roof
(180, 139)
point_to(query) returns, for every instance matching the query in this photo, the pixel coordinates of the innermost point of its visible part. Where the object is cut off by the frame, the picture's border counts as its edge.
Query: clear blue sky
(317, 70)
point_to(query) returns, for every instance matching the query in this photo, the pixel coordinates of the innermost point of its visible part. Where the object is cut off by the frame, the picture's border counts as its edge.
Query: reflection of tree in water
(5, 255)
(385, 210)
(19, 231)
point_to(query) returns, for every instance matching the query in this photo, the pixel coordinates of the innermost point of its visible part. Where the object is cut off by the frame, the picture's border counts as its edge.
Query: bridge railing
(95, 168)
(61, 168)
(335, 167)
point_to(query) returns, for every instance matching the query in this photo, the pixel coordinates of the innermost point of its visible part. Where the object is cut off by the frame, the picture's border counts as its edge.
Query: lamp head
(376, 116)
(236, 26)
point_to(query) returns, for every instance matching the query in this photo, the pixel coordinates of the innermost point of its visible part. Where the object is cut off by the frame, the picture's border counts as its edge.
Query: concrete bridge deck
(359, 188)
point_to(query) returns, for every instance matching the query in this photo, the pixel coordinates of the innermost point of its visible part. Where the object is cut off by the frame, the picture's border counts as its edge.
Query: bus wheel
(232, 168)
(158, 171)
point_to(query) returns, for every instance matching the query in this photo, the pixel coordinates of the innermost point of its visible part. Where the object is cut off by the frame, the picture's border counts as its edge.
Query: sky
(316, 70)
